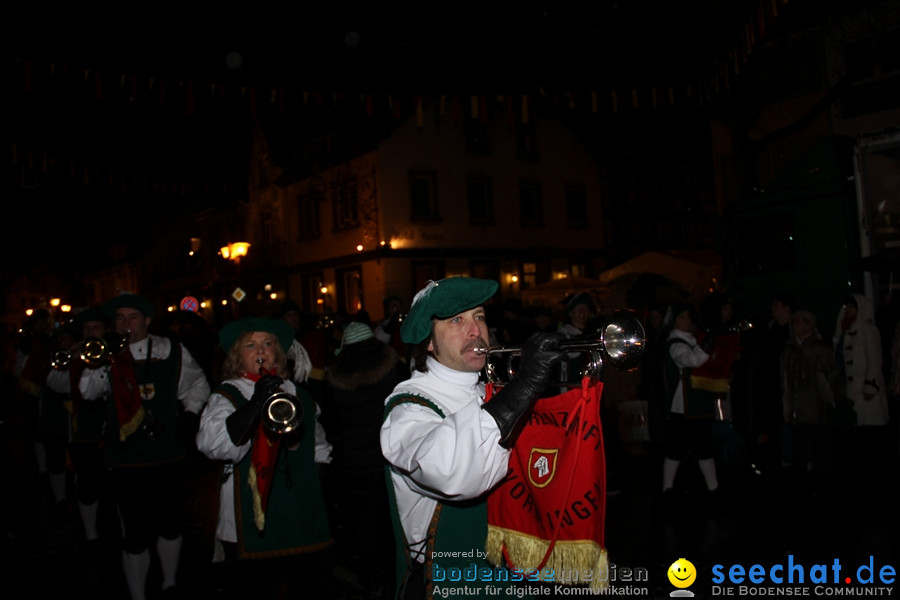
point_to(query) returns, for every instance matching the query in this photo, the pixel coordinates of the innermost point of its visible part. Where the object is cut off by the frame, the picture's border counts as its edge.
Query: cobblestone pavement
(758, 518)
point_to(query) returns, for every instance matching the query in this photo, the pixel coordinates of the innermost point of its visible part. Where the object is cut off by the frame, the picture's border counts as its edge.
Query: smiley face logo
(682, 573)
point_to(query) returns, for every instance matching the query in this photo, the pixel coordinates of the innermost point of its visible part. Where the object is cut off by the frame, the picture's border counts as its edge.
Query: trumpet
(60, 360)
(620, 342)
(96, 351)
(93, 351)
(281, 412)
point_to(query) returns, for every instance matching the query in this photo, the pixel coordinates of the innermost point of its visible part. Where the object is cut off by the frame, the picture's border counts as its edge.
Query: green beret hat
(443, 299)
(277, 327)
(128, 301)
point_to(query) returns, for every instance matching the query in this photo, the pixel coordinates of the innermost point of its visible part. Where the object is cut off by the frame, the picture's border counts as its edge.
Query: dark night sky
(384, 48)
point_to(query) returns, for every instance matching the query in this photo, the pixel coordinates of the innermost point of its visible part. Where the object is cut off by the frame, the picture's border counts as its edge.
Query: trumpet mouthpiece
(480, 350)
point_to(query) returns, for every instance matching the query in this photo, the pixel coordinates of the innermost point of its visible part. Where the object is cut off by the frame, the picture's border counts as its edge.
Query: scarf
(263, 456)
(126, 392)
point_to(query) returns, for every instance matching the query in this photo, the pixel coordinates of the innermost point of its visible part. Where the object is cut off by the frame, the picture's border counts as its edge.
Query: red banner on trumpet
(550, 510)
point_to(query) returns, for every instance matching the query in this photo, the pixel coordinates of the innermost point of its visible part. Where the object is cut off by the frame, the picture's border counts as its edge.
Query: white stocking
(708, 468)
(169, 553)
(136, 567)
(89, 520)
(58, 485)
(670, 468)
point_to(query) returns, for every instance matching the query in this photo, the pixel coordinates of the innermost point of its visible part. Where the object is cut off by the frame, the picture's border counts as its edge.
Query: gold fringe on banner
(572, 562)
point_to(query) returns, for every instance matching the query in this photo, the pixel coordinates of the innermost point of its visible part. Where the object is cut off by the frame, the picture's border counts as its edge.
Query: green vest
(296, 520)
(455, 527)
(155, 442)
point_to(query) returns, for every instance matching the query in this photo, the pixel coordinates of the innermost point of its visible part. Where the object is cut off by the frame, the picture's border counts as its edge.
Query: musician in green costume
(272, 513)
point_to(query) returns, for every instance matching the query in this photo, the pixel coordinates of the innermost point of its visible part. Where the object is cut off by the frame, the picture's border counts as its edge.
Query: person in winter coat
(811, 381)
(363, 374)
(857, 346)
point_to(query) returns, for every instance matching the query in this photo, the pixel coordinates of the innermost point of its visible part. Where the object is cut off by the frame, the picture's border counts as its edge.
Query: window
(481, 200)
(529, 275)
(526, 142)
(477, 137)
(309, 217)
(485, 270)
(312, 296)
(350, 294)
(576, 206)
(346, 205)
(530, 208)
(423, 196)
(422, 272)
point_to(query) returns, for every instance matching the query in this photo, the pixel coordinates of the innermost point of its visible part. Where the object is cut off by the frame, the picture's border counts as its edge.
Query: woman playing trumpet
(271, 502)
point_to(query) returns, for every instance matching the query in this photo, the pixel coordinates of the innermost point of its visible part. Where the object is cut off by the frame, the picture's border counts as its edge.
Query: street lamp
(234, 251)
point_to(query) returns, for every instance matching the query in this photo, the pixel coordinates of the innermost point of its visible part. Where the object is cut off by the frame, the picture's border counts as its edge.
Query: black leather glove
(242, 422)
(511, 404)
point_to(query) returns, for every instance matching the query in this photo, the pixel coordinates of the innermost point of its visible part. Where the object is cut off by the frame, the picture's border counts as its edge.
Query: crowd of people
(295, 453)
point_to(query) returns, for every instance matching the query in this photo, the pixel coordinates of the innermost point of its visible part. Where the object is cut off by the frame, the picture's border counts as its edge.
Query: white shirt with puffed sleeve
(193, 388)
(214, 442)
(454, 458)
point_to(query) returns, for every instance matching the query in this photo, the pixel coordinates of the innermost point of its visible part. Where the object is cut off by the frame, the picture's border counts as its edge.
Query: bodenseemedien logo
(682, 574)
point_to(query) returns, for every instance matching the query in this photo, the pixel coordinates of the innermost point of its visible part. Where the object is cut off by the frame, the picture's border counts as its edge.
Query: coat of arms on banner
(543, 466)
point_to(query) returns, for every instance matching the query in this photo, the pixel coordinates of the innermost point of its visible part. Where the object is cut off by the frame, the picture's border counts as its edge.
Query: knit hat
(277, 327)
(675, 310)
(92, 313)
(443, 299)
(286, 307)
(356, 332)
(806, 316)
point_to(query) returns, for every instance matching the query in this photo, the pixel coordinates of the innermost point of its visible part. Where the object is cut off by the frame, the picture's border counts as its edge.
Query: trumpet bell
(60, 360)
(95, 351)
(623, 340)
(282, 413)
(620, 343)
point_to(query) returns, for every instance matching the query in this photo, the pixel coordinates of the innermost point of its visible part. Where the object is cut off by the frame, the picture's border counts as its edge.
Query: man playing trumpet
(155, 391)
(445, 447)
